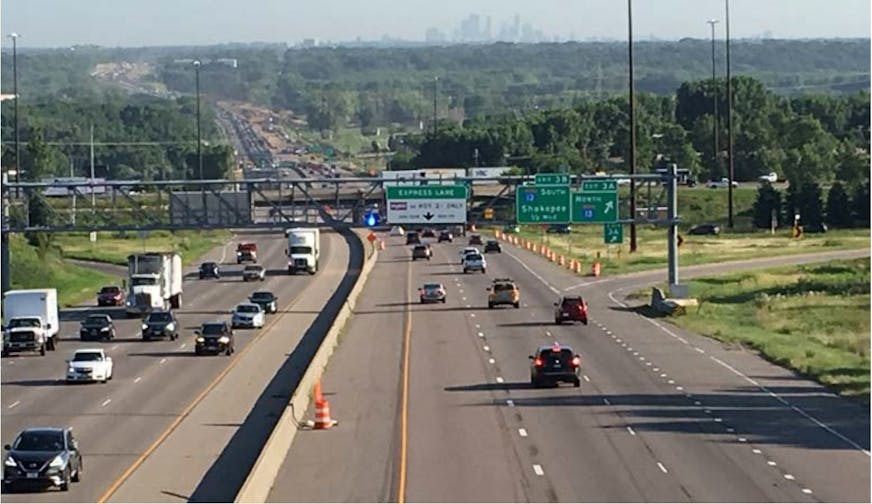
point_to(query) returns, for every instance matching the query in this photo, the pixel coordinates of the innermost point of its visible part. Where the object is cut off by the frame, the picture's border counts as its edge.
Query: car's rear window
(110, 290)
(549, 356)
(503, 287)
(473, 257)
(572, 302)
(213, 329)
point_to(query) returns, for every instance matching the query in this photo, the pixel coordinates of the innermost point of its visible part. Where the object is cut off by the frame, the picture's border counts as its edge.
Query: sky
(134, 23)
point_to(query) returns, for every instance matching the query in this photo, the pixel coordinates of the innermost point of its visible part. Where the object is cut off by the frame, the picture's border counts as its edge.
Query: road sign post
(613, 233)
(430, 204)
(542, 204)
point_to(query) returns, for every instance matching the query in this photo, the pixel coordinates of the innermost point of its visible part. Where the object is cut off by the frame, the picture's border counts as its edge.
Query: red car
(110, 295)
(572, 308)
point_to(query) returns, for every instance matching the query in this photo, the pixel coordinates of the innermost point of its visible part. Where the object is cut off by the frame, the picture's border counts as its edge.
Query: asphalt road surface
(662, 414)
(156, 384)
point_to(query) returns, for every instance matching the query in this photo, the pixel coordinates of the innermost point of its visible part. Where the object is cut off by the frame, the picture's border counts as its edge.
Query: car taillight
(576, 361)
(538, 363)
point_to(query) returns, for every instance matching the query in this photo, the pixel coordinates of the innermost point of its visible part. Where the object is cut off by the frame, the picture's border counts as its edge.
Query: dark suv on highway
(551, 365)
(42, 457)
(160, 324)
(214, 338)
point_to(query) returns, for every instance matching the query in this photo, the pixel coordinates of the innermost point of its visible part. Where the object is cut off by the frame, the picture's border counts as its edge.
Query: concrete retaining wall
(259, 482)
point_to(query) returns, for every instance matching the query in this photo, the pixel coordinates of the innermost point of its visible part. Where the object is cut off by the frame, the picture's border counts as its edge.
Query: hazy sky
(52, 23)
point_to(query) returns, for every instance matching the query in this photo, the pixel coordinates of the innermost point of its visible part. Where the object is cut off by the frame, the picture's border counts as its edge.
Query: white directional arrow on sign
(609, 206)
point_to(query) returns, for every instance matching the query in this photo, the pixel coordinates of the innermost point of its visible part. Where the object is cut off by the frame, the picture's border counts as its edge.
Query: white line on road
(464, 299)
(663, 375)
(789, 477)
(183, 345)
(491, 361)
(730, 429)
(656, 369)
(679, 387)
(478, 326)
(107, 401)
(461, 291)
(743, 440)
(757, 451)
(548, 333)
(138, 379)
(662, 467)
(718, 420)
(631, 431)
(472, 315)
(671, 382)
(469, 305)
(16, 403)
(481, 335)
(771, 462)
(648, 364)
(586, 378)
(510, 403)
(698, 349)
(114, 347)
(522, 432)
(609, 332)
(629, 349)
(697, 403)
(553, 289)
(707, 411)
(163, 361)
(618, 340)
(806, 490)
(499, 379)
(486, 348)
(538, 470)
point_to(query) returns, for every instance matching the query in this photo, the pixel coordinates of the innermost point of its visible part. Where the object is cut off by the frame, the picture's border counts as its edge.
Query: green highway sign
(594, 207)
(613, 233)
(427, 192)
(542, 204)
(599, 186)
(552, 179)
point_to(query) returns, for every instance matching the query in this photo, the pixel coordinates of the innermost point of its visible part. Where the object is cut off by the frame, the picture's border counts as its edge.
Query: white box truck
(154, 281)
(304, 250)
(32, 322)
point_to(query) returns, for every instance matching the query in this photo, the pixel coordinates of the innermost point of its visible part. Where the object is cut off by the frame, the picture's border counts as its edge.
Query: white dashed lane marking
(586, 378)
(491, 361)
(16, 403)
(538, 470)
(486, 348)
(510, 403)
(163, 361)
(138, 379)
(631, 431)
(606, 401)
(771, 462)
(662, 467)
(789, 477)
(806, 491)
(107, 401)
(499, 379)
(114, 347)
(481, 335)
(522, 432)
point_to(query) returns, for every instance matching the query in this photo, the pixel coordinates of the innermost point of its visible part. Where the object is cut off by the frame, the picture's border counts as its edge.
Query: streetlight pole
(435, 91)
(14, 37)
(731, 172)
(632, 129)
(715, 163)
(199, 137)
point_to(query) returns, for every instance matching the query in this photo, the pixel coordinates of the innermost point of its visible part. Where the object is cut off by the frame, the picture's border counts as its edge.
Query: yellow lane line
(172, 427)
(404, 407)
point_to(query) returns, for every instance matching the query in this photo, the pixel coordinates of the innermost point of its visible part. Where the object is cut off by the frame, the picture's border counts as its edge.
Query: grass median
(113, 247)
(812, 318)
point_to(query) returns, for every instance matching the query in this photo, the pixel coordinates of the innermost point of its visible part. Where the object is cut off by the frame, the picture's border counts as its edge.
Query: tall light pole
(731, 172)
(632, 129)
(199, 137)
(435, 91)
(14, 37)
(715, 163)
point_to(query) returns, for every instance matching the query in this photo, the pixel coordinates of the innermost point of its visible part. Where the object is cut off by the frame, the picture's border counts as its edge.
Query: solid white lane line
(662, 467)
(586, 378)
(499, 379)
(537, 275)
(16, 403)
(522, 432)
(510, 403)
(538, 470)
(107, 401)
(630, 429)
(138, 379)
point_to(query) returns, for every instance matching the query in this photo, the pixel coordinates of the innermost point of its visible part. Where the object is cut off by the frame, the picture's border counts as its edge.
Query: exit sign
(552, 179)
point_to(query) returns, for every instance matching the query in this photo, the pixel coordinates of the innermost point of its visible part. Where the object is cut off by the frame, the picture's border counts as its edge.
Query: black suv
(446, 236)
(214, 338)
(493, 246)
(97, 326)
(555, 364)
(160, 324)
(209, 270)
(413, 238)
(42, 457)
(266, 299)
(475, 239)
(705, 229)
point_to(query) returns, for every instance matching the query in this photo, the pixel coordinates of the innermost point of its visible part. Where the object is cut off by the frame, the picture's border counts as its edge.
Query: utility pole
(732, 165)
(715, 162)
(200, 143)
(632, 130)
(672, 215)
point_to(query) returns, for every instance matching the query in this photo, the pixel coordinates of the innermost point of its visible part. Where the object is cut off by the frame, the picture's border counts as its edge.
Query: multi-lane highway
(434, 402)
(171, 425)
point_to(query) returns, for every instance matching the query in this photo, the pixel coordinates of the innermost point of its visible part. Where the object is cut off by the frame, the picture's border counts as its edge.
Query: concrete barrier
(260, 481)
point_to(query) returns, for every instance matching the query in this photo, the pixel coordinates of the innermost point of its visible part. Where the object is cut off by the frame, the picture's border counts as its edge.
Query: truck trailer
(154, 281)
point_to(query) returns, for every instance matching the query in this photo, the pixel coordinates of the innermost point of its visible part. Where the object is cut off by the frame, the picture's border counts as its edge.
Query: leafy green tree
(838, 207)
(811, 208)
(768, 200)
(860, 202)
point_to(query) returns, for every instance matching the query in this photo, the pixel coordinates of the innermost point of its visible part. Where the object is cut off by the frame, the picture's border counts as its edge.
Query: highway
(662, 414)
(172, 425)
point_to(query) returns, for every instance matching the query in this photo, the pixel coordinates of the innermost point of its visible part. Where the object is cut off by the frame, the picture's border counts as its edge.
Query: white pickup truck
(89, 364)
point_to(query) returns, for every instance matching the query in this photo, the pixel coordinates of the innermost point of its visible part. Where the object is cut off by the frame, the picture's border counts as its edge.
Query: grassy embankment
(699, 205)
(75, 283)
(813, 318)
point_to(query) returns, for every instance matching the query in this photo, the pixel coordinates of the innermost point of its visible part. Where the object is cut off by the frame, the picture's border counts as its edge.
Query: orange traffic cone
(561, 261)
(322, 410)
(595, 269)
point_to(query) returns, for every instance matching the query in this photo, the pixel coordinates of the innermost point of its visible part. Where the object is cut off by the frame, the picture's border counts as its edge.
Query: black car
(160, 324)
(558, 228)
(42, 457)
(555, 364)
(428, 233)
(413, 238)
(493, 246)
(214, 338)
(267, 300)
(209, 270)
(446, 236)
(475, 239)
(421, 252)
(705, 229)
(97, 326)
